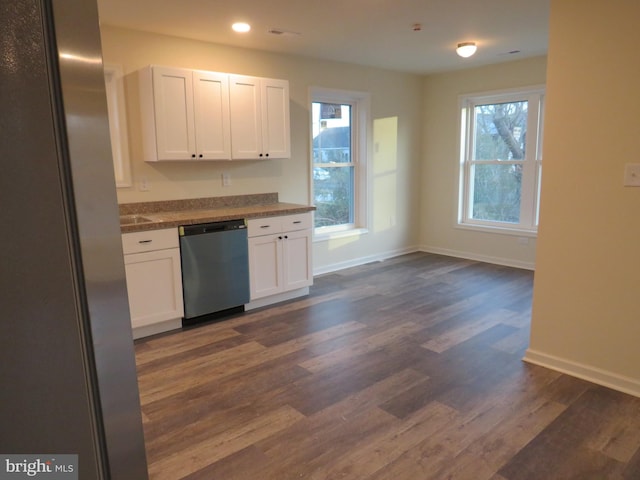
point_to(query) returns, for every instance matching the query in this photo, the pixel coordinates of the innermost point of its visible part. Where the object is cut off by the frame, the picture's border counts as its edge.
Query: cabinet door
(173, 110)
(211, 106)
(296, 260)
(154, 286)
(265, 265)
(276, 135)
(246, 119)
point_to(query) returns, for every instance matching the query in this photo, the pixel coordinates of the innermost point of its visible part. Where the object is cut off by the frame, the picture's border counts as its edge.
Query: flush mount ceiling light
(241, 27)
(466, 49)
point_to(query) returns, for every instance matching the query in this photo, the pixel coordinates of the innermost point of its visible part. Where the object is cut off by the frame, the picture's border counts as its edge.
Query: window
(338, 160)
(501, 160)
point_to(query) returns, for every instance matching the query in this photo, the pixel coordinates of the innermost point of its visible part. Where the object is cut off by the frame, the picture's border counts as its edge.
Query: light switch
(632, 175)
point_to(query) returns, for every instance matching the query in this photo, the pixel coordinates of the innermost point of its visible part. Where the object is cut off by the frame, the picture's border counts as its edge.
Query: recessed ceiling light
(241, 27)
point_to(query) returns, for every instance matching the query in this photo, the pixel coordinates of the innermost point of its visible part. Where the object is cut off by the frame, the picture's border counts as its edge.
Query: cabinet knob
(260, 155)
(266, 155)
(200, 155)
(286, 236)
(280, 238)
(193, 155)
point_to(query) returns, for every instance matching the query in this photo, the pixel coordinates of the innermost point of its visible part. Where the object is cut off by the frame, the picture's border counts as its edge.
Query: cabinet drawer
(264, 226)
(137, 242)
(300, 221)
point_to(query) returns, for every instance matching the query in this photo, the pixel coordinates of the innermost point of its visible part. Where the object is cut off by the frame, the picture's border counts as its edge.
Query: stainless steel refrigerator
(67, 372)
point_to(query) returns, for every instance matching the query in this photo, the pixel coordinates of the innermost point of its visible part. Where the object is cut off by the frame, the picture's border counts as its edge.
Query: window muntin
(500, 160)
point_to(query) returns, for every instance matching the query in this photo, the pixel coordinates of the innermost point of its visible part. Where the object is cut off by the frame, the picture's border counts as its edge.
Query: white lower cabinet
(296, 260)
(279, 254)
(265, 266)
(154, 280)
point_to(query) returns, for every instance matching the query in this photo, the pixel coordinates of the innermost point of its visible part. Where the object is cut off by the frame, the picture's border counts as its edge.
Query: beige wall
(439, 190)
(395, 101)
(586, 315)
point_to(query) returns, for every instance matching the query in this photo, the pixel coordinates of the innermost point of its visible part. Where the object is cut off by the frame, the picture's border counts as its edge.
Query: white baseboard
(154, 329)
(585, 372)
(280, 297)
(507, 262)
(334, 267)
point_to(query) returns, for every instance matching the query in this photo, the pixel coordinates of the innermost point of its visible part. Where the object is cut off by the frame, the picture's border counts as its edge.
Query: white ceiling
(376, 33)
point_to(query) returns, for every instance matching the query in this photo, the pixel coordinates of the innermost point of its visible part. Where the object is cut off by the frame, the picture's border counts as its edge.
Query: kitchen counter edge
(162, 220)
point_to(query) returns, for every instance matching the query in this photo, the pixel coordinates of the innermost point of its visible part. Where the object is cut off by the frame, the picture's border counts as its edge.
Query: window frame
(360, 133)
(532, 163)
(114, 89)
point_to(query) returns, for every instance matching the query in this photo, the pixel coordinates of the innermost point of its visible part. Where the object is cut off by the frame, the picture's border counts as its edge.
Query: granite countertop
(142, 216)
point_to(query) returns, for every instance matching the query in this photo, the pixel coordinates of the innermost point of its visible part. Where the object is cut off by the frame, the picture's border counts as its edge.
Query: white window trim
(362, 124)
(113, 79)
(531, 207)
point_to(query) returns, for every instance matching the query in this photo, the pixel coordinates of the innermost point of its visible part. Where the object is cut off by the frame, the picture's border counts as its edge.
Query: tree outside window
(500, 164)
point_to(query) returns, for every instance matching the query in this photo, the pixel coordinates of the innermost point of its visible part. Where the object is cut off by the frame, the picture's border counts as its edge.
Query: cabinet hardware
(265, 226)
(145, 241)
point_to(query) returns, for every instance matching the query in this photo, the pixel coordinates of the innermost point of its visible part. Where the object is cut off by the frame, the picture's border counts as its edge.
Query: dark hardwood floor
(408, 369)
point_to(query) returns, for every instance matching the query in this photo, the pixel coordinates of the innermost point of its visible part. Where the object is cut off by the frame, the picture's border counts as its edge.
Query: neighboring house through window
(338, 141)
(500, 161)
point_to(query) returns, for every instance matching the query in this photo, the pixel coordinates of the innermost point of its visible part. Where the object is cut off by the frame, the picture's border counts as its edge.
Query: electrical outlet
(632, 175)
(226, 179)
(144, 184)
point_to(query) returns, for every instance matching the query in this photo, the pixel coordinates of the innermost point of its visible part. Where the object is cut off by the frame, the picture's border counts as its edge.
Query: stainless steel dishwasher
(215, 269)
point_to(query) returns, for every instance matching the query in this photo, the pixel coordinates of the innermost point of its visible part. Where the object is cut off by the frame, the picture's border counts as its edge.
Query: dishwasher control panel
(200, 228)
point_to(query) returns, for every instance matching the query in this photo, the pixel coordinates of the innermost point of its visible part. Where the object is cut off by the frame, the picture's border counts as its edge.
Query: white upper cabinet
(276, 130)
(211, 105)
(259, 117)
(198, 115)
(185, 114)
(171, 129)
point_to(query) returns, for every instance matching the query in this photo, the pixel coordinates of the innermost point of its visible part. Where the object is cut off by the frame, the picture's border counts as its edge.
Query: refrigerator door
(67, 365)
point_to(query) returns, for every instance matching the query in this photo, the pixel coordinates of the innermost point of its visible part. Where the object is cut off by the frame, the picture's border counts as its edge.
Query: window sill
(352, 232)
(517, 232)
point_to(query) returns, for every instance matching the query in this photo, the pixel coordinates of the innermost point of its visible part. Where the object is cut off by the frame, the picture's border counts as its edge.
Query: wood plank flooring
(408, 369)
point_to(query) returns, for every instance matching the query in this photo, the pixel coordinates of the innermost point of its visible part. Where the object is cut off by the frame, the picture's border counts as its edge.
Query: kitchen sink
(134, 219)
